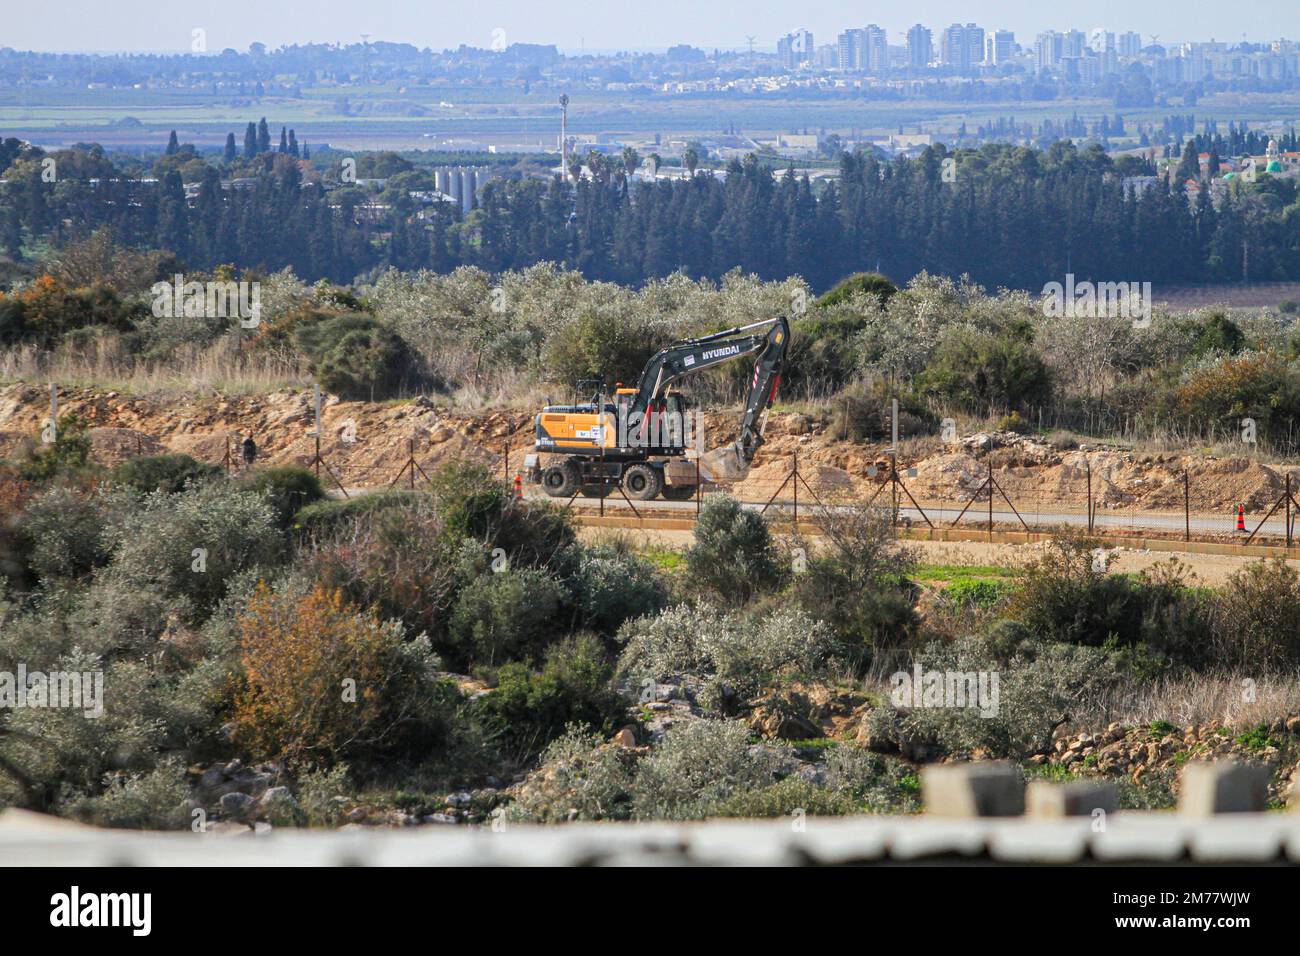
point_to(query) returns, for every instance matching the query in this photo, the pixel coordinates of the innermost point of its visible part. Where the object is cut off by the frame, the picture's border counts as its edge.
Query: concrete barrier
(992, 789)
(1223, 787)
(1052, 801)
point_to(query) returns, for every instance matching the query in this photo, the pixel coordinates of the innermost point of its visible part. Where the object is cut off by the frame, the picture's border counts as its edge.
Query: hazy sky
(168, 25)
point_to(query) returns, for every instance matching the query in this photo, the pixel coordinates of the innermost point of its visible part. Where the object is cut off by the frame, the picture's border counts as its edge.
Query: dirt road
(1210, 569)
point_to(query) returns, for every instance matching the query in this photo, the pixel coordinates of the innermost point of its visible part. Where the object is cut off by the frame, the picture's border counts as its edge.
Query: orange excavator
(645, 437)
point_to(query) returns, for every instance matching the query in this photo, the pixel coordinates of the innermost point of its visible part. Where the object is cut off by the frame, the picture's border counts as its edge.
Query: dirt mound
(210, 448)
(15, 445)
(112, 446)
(367, 444)
(362, 443)
(953, 477)
(826, 481)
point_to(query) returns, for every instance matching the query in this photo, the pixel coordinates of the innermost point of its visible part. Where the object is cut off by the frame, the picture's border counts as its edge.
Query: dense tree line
(1007, 216)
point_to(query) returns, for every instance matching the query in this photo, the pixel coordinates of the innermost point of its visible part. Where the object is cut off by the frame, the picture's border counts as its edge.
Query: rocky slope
(367, 444)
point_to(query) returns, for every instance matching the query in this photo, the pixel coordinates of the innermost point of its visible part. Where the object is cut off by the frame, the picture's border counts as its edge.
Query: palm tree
(631, 160)
(691, 159)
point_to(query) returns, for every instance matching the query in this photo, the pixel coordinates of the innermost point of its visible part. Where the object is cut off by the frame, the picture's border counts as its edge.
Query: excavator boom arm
(762, 390)
(732, 461)
(695, 355)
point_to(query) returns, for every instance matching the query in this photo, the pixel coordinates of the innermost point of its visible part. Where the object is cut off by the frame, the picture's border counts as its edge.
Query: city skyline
(135, 26)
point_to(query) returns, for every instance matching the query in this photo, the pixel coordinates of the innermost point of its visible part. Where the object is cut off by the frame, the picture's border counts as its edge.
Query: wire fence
(1263, 505)
(1259, 506)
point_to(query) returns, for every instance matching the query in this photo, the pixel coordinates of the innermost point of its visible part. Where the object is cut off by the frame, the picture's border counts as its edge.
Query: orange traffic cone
(519, 485)
(1241, 517)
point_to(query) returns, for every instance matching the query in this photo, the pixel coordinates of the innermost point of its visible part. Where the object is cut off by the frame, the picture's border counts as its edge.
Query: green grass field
(389, 116)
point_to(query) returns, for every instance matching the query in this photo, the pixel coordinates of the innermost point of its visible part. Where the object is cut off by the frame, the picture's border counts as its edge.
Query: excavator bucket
(724, 464)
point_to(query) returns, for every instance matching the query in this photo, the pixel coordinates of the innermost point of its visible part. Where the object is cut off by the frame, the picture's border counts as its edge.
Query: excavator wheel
(561, 481)
(642, 483)
(596, 491)
(678, 492)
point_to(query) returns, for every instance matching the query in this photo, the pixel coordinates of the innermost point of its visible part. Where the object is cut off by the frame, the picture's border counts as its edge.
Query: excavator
(640, 438)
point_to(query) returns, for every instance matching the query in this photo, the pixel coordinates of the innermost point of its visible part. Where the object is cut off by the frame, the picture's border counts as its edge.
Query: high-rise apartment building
(795, 49)
(1049, 48)
(962, 47)
(876, 53)
(999, 47)
(919, 47)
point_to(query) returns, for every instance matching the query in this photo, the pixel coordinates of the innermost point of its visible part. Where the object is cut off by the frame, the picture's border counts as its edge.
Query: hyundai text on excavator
(645, 438)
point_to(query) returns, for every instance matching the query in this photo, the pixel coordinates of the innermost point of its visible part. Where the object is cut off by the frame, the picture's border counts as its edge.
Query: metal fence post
(990, 464)
(796, 492)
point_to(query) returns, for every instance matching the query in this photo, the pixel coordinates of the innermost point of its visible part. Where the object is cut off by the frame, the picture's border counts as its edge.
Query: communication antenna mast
(365, 58)
(750, 41)
(564, 137)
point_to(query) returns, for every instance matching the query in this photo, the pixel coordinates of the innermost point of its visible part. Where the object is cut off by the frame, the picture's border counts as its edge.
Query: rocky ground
(809, 716)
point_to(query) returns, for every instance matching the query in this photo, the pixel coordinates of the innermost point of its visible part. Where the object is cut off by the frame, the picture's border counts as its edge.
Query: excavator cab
(661, 428)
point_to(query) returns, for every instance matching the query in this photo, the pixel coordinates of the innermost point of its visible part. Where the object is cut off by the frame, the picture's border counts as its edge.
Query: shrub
(859, 585)
(1066, 596)
(1014, 423)
(319, 793)
(733, 556)
(823, 355)
(731, 653)
(702, 763)
(864, 413)
(166, 473)
(327, 517)
(613, 587)
(575, 686)
(1218, 333)
(1038, 688)
(153, 800)
(1257, 616)
(396, 557)
(63, 534)
(1258, 385)
(69, 453)
(472, 504)
(979, 370)
(358, 358)
(860, 283)
(504, 616)
(577, 778)
(882, 785)
(189, 545)
(603, 345)
(287, 488)
(51, 754)
(323, 682)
